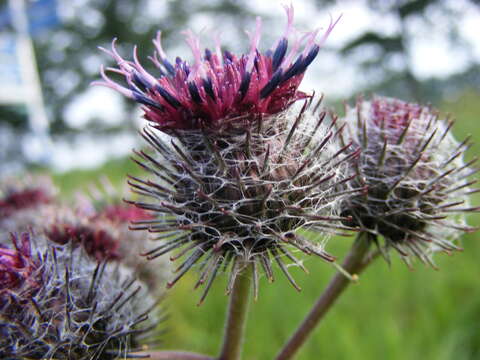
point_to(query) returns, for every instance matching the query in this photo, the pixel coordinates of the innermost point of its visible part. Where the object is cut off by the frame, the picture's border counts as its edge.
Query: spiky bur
(56, 303)
(219, 88)
(418, 183)
(240, 197)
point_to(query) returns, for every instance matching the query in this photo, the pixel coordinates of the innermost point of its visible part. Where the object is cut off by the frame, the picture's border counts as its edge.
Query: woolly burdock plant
(56, 303)
(246, 168)
(418, 183)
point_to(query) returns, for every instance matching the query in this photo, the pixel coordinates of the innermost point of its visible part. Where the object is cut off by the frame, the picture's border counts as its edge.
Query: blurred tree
(68, 58)
(391, 68)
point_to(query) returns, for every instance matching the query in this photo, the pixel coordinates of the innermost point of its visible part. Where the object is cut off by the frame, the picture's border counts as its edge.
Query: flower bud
(418, 187)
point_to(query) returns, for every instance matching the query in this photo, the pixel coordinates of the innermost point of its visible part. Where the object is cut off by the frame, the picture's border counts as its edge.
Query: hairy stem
(354, 263)
(237, 316)
(172, 355)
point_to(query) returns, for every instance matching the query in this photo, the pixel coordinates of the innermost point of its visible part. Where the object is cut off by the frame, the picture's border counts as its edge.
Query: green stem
(354, 263)
(173, 355)
(237, 316)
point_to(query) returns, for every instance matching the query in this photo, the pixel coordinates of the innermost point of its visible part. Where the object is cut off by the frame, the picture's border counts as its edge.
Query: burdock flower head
(247, 169)
(56, 303)
(219, 87)
(418, 187)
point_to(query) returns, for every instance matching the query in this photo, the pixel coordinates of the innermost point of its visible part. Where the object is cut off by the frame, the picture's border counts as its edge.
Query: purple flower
(219, 87)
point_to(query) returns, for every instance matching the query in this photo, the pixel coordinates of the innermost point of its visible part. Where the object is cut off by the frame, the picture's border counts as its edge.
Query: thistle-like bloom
(56, 303)
(219, 87)
(21, 200)
(100, 227)
(248, 169)
(418, 187)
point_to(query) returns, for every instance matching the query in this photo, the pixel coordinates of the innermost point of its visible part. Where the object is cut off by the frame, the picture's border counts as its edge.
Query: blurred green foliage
(392, 313)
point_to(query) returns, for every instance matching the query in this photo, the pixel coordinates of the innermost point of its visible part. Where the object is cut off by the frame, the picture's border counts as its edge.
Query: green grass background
(392, 313)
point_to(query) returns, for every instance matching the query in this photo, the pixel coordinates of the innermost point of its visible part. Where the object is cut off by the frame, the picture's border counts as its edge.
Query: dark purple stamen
(228, 55)
(186, 68)
(293, 70)
(312, 54)
(142, 99)
(208, 55)
(279, 53)
(168, 97)
(255, 61)
(141, 81)
(244, 84)
(169, 67)
(208, 86)
(272, 84)
(193, 90)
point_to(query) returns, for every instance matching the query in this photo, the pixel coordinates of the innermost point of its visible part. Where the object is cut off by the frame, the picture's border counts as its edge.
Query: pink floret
(218, 88)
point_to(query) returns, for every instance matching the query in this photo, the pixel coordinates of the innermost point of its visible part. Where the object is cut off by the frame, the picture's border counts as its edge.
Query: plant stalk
(237, 316)
(172, 355)
(354, 263)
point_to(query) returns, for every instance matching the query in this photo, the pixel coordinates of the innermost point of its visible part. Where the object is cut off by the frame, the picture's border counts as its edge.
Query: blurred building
(19, 21)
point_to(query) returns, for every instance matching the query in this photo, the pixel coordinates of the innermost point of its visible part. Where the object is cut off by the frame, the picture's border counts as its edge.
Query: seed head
(417, 180)
(73, 309)
(219, 87)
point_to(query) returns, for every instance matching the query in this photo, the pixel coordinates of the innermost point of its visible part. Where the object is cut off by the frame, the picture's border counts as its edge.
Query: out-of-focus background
(427, 51)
